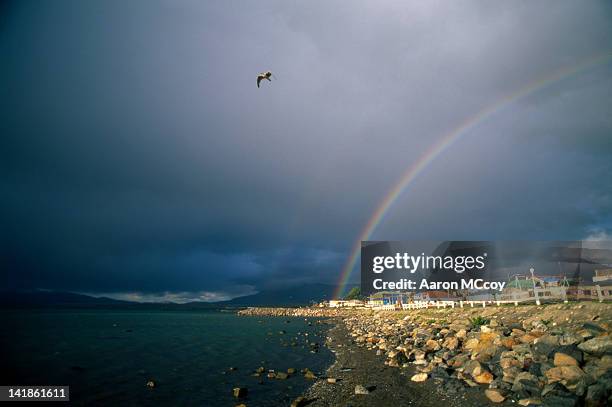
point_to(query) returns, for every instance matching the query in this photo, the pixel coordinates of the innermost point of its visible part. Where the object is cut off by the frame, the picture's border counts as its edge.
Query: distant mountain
(300, 295)
(295, 296)
(38, 298)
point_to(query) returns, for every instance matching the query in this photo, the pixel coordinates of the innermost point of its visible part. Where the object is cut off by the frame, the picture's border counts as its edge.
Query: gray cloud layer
(137, 154)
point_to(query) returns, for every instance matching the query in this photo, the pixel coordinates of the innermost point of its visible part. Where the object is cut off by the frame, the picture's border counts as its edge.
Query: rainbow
(443, 144)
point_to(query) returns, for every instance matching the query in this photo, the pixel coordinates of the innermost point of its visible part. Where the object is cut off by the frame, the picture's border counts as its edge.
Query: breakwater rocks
(306, 312)
(554, 355)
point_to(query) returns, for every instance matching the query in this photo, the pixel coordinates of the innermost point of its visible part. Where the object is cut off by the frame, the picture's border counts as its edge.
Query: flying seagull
(262, 76)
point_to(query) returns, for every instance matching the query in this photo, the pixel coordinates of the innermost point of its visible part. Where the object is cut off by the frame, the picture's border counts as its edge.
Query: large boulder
(572, 377)
(597, 346)
(561, 359)
(545, 344)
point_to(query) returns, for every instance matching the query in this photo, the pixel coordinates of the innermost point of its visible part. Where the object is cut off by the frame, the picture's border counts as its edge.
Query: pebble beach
(548, 355)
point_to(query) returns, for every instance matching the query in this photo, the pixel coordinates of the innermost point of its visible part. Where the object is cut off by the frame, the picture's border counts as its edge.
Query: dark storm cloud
(138, 156)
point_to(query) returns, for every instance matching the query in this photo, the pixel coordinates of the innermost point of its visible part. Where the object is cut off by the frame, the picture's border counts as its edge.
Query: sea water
(108, 356)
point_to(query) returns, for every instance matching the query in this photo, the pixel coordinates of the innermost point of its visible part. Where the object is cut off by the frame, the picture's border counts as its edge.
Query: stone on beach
(484, 378)
(360, 389)
(561, 359)
(239, 392)
(597, 346)
(530, 402)
(419, 377)
(494, 395)
(332, 380)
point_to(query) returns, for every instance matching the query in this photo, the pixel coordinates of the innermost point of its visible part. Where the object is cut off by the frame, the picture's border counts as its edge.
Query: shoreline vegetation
(550, 355)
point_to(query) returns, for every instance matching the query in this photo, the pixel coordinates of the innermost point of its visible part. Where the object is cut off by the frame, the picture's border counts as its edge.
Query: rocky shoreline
(550, 355)
(305, 312)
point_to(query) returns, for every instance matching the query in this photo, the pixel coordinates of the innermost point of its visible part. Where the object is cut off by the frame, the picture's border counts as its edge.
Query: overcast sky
(139, 158)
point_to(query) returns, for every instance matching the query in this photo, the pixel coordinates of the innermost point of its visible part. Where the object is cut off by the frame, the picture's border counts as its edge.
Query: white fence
(441, 304)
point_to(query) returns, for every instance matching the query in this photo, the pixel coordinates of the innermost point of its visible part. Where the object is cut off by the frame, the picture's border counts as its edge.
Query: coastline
(551, 355)
(387, 386)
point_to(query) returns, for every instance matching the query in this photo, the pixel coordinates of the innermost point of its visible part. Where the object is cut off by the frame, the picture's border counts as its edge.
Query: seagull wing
(258, 80)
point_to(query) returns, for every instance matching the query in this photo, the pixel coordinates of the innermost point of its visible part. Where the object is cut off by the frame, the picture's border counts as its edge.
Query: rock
(596, 396)
(260, 369)
(560, 373)
(594, 328)
(557, 396)
(332, 380)
(471, 344)
(561, 359)
(299, 402)
(527, 338)
(526, 385)
(282, 375)
(510, 374)
(536, 369)
(291, 370)
(597, 346)
(508, 342)
(569, 338)
(239, 392)
(573, 351)
(571, 377)
(486, 349)
(530, 402)
(432, 345)
(419, 377)
(451, 343)
(359, 389)
(473, 368)
(478, 372)
(150, 384)
(309, 375)
(500, 385)
(494, 395)
(521, 349)
(484, 378)
(506, 363)
(461, 333)
(545, 344)
(458, 361)
(241, 405)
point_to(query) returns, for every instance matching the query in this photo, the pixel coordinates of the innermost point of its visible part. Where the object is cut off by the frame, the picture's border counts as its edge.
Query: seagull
(262, 76)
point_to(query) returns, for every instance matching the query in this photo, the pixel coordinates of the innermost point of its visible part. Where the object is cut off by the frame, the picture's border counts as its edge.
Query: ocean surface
(108, 356)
